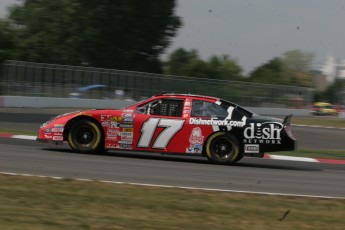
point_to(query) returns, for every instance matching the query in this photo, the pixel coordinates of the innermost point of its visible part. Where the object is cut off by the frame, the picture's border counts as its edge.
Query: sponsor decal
(125, 138)
(125, 146)
(263, 133)
(185, 115)
(127, 142)
(57, 130)
(59, 125)
(118, 119)
(127, 129)
(112, 133)
(105, 117)
(128, 120)
(216, 122)
(128, 110)
(189, 150)
(58, 134)
(196, 139)
(126, 134)
(105, 123)
(251, 148)
(187, 104)
(48, 136)
(126, 125)
(48, 131)
(114, 124)
(112, 146)
(196, 136)
(57, 138)
(186, 111)
(114, 130)
(194, 149)
(127, 115)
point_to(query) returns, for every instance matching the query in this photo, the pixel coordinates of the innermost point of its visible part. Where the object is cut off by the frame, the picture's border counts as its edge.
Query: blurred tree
(335, 93)
(179, 60)
(7, 40)
(297, 60)
(271, 72)
(293, 68)
(222, 67)
(122, 34)
(188, 63)
(297, 66)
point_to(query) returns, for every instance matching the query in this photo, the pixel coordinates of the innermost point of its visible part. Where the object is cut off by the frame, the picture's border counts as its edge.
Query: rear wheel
(85, 136)
(223, 148)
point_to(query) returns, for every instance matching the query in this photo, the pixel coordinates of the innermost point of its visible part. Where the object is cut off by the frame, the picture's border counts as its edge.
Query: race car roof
(186, 95)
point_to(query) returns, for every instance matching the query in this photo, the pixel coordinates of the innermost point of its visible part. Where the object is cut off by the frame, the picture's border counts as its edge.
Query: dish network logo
(267, 132)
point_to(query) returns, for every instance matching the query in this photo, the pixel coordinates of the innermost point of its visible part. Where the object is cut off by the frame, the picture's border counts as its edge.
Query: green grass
(320, 121)
(330, 154)
(18, 132)
(43, 203)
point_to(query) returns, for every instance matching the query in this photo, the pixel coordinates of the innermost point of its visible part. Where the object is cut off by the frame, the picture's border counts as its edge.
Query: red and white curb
(304, 159)
(23, 137)
(267, 156)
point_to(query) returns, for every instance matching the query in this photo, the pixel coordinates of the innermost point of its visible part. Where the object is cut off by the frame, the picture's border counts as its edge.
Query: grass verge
(44, 203)
(319, 121)
(18, 132)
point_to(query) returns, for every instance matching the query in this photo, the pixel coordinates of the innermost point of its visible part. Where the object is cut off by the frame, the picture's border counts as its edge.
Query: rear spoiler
(287, 120)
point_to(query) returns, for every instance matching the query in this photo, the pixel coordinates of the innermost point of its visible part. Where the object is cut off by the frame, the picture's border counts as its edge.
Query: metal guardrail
(49, 80)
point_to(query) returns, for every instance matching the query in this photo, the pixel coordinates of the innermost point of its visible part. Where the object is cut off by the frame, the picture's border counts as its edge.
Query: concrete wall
(50, 102)
(47, 102)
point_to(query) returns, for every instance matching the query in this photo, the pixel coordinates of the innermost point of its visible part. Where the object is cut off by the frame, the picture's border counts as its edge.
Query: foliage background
(133, 35)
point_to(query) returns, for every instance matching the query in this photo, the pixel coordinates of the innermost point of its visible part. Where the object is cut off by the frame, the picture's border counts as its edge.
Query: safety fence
(20, 78)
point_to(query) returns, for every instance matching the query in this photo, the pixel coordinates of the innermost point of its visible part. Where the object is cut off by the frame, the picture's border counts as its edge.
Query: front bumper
(49, 141)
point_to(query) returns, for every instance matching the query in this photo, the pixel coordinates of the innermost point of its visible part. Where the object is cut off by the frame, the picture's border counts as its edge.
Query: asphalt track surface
(253, 175)
(250, 174)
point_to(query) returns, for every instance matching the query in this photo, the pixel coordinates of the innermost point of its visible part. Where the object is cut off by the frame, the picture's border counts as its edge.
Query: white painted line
(288, 158)
(25, 137)
(178, 187)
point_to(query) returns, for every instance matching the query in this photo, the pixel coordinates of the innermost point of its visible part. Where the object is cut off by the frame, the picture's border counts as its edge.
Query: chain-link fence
(50, 80)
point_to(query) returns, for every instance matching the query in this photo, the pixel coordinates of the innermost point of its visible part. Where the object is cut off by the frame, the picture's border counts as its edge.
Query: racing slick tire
(85, 136)
(223, 148)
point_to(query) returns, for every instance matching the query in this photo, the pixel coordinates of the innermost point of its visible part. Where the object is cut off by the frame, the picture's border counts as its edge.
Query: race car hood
(60, 117)
(64, 118)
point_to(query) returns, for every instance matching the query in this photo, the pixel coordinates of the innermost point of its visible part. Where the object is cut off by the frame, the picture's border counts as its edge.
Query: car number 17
(171, 128)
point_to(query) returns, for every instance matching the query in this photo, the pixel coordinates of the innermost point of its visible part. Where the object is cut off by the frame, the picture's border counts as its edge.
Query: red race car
(173, 123)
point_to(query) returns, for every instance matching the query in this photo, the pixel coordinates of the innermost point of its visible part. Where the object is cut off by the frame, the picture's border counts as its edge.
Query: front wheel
(223, 148)
(85, 136)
